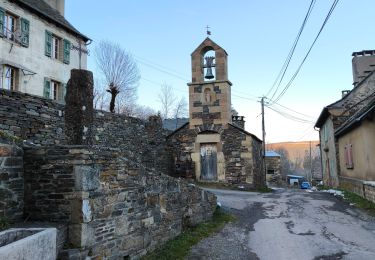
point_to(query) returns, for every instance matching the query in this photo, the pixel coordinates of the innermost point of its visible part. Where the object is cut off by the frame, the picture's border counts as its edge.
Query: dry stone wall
(11, 182)
(41, 121)
(114, 206)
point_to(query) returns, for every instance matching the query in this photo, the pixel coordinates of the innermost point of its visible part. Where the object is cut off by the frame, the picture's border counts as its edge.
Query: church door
(208, 162)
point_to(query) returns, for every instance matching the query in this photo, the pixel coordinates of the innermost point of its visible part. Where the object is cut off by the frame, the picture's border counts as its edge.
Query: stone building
(38, 47)
(336, 114)
(214, 146)
(273, 165)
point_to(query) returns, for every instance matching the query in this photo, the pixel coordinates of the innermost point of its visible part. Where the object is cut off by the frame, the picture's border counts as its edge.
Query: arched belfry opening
(209, 59)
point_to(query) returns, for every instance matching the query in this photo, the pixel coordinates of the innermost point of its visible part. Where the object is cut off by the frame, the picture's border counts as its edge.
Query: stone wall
(241, 152)
(365, 189)
(41, 121)
(114, 206)
(11, 182)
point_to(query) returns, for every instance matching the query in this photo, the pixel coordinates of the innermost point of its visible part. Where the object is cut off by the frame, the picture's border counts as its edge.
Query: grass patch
(360, 202)
(179, 247)
(229, 186)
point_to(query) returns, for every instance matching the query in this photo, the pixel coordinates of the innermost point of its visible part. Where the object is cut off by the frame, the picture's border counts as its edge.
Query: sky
(257, 35)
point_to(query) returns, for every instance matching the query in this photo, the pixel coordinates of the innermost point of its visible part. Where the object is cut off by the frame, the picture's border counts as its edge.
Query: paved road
(289, 224)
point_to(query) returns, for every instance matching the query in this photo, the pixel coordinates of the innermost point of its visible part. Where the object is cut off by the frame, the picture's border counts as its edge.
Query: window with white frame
(57, 48)
(9, 26)
(8, 77)
(14, 28)
(54, 90)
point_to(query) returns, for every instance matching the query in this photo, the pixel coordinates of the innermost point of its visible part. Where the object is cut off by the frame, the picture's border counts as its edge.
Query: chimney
(58, 5)
(238, 121)
(344, 93)
(363, 63)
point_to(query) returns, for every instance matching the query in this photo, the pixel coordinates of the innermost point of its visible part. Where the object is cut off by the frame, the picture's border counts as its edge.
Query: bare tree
(99, 95)
(180, 109)
(119, 69)
(166, 98)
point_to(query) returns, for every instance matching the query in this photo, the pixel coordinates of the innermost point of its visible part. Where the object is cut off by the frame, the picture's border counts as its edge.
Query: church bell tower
(210, 89)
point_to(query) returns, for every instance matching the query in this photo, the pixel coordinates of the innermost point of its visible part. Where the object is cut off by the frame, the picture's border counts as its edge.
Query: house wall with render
(33, 56)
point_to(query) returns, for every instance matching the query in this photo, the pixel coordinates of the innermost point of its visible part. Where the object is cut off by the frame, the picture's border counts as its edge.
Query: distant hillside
(299, 157)
(295, 150)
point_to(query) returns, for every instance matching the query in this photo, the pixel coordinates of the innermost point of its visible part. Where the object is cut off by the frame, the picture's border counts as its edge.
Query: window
(349, 156)
(14, 28)
(270, 171)
(9, 26)
(8, 77)
(57, 48)
(54, 90)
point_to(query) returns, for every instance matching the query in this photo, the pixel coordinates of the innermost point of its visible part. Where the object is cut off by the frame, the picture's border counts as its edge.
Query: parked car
(305, 185)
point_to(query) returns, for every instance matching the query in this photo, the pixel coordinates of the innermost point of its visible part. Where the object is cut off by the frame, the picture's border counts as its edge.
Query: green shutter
(64, 92)
(2, 14)
(48, 48)
(66, 51)
(25, 32)
(47, 88)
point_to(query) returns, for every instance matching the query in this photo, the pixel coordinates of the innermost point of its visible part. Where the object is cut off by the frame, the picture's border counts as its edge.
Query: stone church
(214, 146)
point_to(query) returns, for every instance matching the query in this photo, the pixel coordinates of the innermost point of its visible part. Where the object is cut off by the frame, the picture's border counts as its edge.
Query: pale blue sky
(257, 34)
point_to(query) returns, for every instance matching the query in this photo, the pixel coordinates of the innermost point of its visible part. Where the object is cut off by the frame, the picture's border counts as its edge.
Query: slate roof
(170, 124)
(357, 118)
(41, 8)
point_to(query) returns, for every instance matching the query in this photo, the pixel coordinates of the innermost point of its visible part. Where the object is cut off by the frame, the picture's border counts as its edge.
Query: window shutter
(350, 156)
(48, 47)
(25, 32)
(2, 14)
(66, 51)
(47, 88)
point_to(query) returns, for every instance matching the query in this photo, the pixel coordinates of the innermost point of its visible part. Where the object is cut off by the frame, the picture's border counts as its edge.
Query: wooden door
(208, 162)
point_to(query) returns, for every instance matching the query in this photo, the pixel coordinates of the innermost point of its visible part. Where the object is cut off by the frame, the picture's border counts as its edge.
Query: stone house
(38, 47)
(273, 165)
(356, 143)
(335, 114)
(214, 146)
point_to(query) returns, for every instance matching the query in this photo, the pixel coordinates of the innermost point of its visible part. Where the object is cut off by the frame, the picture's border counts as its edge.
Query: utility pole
(264, 141)
(310, 164)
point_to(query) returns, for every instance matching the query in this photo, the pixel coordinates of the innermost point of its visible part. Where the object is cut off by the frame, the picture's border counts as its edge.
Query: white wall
(33, 57)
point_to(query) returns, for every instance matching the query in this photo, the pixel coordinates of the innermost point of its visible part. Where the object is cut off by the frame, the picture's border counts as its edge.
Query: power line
(162, 70)
(294, 111)
(291, 52)
(307, 54)
(291, 117)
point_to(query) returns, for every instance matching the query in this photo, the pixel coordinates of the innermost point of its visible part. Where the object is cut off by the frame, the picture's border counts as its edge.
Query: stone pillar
(79, 110)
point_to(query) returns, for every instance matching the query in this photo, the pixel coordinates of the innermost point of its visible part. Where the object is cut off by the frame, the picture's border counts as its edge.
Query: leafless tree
(167, 99)
(180, 109)
(120, 70)
(99, 95)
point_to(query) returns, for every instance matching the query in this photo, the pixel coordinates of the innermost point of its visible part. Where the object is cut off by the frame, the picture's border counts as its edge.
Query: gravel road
(289, 224)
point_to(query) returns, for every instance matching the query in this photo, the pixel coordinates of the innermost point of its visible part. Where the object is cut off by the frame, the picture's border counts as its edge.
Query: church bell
(209, 65)
(209, 74)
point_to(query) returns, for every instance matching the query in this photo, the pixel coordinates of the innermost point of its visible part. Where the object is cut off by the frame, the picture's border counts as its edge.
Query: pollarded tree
(119, 69)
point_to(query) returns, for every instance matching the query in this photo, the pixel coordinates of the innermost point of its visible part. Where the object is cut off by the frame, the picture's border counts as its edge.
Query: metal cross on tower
(81, 48)
(208, 30)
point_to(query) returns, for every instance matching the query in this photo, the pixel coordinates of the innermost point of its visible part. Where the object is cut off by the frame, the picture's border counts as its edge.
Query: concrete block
(28, 243)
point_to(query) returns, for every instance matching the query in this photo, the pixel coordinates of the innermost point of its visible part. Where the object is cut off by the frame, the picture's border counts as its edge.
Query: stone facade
(213, 145)
(114, 206)
(11, 181)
